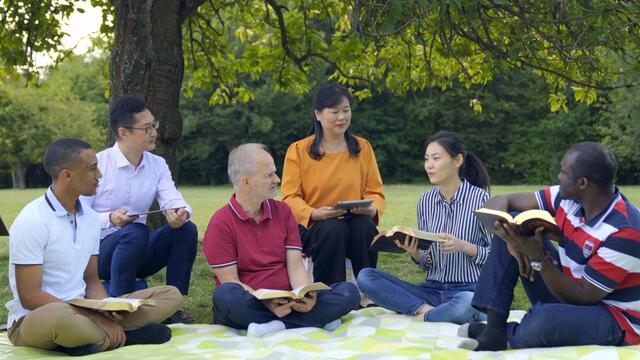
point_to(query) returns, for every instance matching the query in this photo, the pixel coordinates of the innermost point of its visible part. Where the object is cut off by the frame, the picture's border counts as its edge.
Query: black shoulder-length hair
(472, 168)
(328, 96)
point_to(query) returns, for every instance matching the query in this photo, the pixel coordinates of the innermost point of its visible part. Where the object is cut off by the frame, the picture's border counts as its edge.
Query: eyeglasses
(147, 129)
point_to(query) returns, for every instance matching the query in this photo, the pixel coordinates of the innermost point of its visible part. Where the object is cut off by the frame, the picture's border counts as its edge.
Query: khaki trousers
(56, 324)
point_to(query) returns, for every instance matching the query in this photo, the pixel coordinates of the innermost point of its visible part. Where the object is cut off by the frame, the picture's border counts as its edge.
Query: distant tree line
(515, 134)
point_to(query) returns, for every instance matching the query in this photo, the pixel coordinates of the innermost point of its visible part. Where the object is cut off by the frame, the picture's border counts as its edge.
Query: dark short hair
(62, 154)
(122, 112)
(595, 162)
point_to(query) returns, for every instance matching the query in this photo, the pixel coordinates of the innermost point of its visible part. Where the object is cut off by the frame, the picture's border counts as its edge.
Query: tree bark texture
(146, 60)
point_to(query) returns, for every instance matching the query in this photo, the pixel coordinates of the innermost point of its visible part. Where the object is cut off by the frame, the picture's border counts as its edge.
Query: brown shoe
(179, 317)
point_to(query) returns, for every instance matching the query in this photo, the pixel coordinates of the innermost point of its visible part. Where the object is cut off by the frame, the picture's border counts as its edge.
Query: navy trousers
(548, 322)
(134, 252)
(233, 306)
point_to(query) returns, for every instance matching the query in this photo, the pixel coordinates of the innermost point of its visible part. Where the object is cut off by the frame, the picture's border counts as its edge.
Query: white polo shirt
(44, 233)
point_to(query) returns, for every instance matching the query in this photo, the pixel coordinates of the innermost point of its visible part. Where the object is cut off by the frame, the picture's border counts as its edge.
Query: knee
(349, 292)
(136, 233)
(462, 298)
(189, 231)
(367, 278)
(59, 312)
(361, 222)
(334, 230)
(226, 295)
(172, 295)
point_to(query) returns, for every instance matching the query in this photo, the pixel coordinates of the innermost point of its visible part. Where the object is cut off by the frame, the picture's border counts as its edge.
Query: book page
(534, 214)
(265, 294)
(497, 213)
(303, 290)
(134, 302)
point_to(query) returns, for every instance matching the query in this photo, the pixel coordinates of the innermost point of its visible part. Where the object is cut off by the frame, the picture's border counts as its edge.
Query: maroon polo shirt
(258, 249)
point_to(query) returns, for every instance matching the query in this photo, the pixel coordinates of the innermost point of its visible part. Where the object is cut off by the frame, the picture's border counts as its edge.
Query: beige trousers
(56, 324)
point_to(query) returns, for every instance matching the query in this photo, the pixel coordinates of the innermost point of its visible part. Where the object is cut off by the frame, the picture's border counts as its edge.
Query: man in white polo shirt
(53, 256)
(133, 178)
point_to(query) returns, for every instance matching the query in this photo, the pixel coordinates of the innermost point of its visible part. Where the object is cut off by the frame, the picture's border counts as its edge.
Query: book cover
(297, 293)
(112, 304)
(384, 241)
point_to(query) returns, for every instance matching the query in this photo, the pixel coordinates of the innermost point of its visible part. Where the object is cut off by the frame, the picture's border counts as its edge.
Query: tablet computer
(352, 204)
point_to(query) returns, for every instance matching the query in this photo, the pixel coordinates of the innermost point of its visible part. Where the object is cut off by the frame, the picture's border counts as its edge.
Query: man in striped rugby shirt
(585, 292)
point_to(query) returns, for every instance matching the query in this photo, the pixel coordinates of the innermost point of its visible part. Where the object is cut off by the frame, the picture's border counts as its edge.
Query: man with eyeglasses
(133, 178)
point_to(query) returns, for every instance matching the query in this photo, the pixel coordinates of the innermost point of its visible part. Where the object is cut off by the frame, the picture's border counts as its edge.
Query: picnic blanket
(372, 333)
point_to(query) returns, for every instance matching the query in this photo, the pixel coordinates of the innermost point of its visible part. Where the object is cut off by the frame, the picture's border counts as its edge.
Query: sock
(259, 330)
(471, 330)
(332, 325)
(79, 350)
(494, 336)
(148, 334)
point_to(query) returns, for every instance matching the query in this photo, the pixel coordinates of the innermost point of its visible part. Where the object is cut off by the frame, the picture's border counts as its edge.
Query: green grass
(401, 207)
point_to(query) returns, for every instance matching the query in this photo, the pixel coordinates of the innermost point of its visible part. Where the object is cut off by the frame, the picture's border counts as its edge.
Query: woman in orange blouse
(328, 166)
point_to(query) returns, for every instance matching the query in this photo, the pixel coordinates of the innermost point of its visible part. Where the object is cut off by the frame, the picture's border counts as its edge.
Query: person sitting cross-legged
(253, 242)
(53, 257)
(133, 178)
(585, 292)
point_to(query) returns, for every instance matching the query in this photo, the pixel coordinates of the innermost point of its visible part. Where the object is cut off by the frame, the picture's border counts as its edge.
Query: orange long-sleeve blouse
(308, 184)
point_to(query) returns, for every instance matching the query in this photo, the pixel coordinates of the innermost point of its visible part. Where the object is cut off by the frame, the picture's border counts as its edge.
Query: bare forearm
(565, 289)
(37, 299)
(299, 276)
(470, 249)
(497, 203)
(95, 290)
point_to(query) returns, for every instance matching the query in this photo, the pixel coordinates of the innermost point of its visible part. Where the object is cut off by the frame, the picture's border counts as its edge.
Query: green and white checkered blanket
(372, 333)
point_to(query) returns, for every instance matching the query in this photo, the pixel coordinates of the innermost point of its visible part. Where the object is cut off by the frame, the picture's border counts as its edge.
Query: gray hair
(242, 161)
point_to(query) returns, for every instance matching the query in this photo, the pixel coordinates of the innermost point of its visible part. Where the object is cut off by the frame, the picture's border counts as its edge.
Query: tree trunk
(18, 174)
(146, 60)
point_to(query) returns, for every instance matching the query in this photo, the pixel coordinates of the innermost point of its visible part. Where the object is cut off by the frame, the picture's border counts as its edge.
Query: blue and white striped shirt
(456, 218)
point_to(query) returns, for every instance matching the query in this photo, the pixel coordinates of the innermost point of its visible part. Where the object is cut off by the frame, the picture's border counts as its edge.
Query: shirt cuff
(425, 260)
(105, 223)
(482, 255)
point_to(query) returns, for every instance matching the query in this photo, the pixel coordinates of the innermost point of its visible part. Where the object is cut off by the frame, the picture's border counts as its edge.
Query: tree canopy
(578, 49)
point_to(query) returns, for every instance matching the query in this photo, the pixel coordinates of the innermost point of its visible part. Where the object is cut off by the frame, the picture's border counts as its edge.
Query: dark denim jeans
(548, 322)
(134, 252)
(451, 301)
(233, 306)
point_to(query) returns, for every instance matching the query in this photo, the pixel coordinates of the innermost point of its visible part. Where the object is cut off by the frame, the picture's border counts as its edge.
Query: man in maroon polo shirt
(252, 243)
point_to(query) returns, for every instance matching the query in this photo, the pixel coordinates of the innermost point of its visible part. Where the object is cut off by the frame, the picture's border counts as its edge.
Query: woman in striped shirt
(460, 187)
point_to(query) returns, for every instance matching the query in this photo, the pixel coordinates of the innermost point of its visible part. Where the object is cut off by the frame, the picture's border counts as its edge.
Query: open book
(384, 241)
(112, 304)
(297, 293)
(3, 227)
(526, 222)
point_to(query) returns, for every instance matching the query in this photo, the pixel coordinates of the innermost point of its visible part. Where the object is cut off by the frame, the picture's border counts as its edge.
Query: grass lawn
(401, 208)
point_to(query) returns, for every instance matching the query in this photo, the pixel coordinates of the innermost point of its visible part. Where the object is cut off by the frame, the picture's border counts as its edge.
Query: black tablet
(352, 204)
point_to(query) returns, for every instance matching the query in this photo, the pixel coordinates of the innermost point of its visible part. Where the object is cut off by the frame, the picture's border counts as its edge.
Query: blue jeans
(548, 322)
(451, 301)
(132, 252)
(233, 306)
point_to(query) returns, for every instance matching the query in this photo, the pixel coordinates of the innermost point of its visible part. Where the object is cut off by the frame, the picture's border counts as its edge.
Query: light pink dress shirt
(125, 186)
